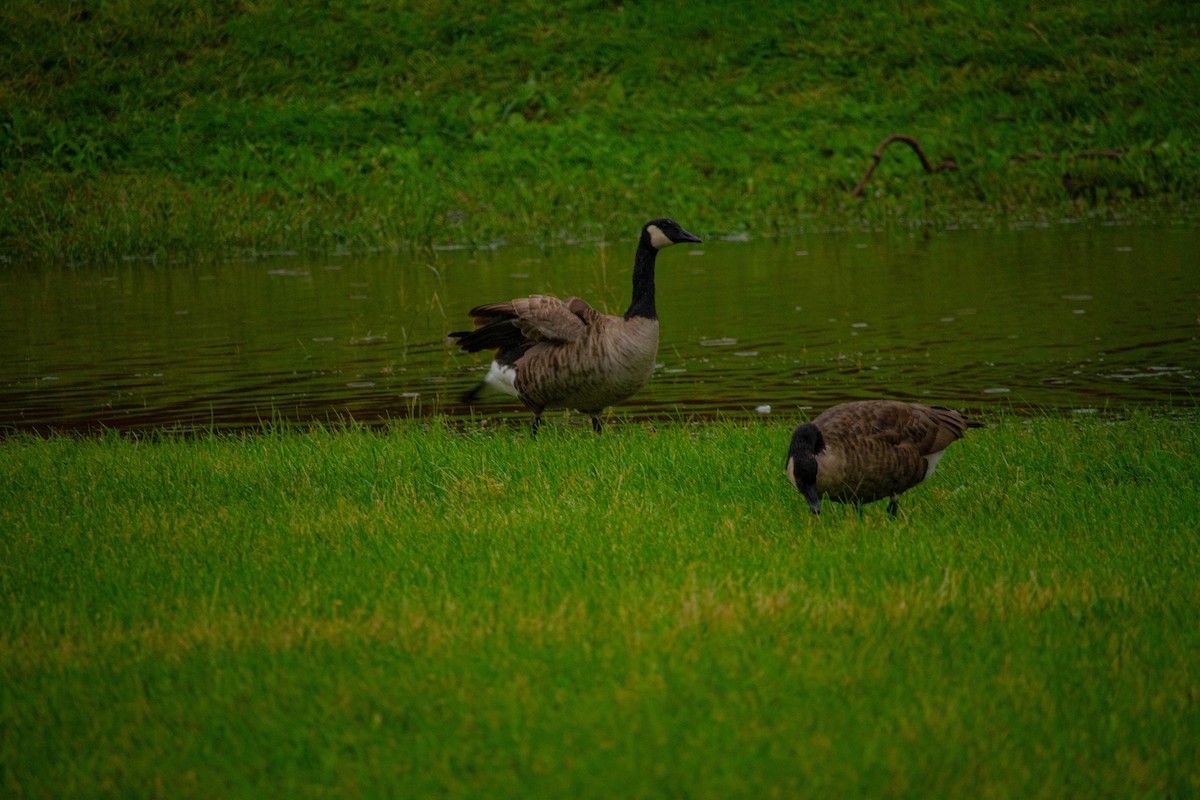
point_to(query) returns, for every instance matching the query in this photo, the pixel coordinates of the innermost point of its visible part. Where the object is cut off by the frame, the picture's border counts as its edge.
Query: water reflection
(1062, 318)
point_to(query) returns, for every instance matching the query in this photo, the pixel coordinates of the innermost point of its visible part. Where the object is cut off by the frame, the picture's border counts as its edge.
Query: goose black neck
(642, 304)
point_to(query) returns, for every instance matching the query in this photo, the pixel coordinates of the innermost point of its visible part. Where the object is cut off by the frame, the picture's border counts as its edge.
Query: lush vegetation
(139, 127)
(423, 611)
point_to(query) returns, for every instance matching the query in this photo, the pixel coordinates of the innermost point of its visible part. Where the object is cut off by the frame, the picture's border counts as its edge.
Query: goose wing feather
(539, 311)
(492, 312)
(543, 318)
(930, 429)
(580, 308)
(945, 426)
(879, 447)
(517, 324)
(865, 457)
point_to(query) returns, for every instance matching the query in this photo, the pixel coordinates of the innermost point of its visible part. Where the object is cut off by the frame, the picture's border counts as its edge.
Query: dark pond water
(1067, 317)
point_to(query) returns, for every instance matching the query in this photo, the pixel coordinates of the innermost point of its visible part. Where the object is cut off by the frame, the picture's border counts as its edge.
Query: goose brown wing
(492, 312)
(930, 429)
(548, 318)
(517, 324)
(884, 420)
(580, 308)
(934, 428)
(874, 450)
(881, 468)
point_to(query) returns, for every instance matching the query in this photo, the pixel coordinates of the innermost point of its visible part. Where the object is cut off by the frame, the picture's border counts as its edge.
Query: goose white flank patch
(553, 353)
(866, 451)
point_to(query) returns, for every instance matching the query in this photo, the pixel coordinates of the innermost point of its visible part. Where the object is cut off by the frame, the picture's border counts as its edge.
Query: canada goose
(865, 451)
(566, 354)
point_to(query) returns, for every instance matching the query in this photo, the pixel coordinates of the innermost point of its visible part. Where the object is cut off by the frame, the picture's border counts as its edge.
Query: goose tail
(471, 395)
(501, 377)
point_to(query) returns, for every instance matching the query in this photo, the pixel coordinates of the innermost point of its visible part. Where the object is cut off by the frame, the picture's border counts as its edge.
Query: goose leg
(894, 506)
(597, 425)
(535, 423)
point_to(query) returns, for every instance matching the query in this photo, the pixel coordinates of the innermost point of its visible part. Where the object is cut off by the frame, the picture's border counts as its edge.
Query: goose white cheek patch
(658, 239)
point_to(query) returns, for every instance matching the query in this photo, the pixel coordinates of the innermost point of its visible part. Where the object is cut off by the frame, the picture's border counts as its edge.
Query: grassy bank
(148, 129)
(648, 613)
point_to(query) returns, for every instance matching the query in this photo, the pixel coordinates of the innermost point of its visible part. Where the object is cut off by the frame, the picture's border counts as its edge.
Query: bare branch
(878, 156)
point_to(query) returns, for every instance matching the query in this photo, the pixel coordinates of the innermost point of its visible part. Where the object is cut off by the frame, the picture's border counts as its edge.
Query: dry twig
(878, 156)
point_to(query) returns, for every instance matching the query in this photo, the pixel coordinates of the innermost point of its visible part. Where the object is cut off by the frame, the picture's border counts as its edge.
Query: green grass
(429, 612)
(140, 128)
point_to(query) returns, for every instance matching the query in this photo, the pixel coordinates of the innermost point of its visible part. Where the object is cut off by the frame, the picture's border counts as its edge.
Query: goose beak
(684, 236)
(814, 499)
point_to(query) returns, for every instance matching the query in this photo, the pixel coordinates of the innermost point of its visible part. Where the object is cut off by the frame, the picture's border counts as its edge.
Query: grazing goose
(566, 354)
(866, 451)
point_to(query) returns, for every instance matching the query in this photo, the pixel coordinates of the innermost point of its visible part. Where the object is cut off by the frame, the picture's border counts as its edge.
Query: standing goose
(866, 451)
(566, 354)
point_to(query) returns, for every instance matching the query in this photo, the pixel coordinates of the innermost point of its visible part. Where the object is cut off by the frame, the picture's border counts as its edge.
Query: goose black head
(663, 232)
(801, 467)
